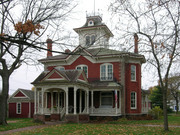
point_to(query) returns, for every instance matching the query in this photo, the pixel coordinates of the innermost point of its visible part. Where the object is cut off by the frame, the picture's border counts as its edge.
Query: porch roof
(105, 85)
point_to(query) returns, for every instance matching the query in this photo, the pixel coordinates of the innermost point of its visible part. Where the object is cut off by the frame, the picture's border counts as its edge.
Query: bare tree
(157, 24)
(23, 24)
(174, 88)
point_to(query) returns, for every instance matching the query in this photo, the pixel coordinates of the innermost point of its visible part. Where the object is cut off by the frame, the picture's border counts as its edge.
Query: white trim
(134, 100)
(59, 68)
(133, 72)
(106, 71)
(83, 65)
(17, 108)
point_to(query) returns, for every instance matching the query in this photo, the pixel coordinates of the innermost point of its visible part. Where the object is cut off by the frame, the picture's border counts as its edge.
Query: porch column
(38, 100)
(51, 102)
(92, 104)
(87, 101)
(64, 99)
(116, 101)
(80, 102)
(75, 89)
(67, 101)
(42, 100)
(119, 101)
(35, 102)
(85, 105)
(58, 101)
(46, 100)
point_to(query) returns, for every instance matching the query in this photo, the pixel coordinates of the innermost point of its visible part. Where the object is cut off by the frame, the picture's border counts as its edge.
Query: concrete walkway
(30, 128)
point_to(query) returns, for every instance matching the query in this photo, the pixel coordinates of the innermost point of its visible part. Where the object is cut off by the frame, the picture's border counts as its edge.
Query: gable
(19, 94)
(55, 75)
(82, 77)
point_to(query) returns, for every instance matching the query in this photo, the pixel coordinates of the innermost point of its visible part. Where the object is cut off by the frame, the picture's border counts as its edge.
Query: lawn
(17, 123)
(122, 126)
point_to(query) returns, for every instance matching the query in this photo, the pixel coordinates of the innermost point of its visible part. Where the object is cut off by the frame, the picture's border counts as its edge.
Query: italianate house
(91, 80)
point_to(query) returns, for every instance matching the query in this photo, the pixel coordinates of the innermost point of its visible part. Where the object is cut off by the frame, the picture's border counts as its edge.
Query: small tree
(156, 97)
(174, 88)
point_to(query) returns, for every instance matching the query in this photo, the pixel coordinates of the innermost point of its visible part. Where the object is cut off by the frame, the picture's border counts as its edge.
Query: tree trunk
(165, 109)
(3, 99)
(177, 105)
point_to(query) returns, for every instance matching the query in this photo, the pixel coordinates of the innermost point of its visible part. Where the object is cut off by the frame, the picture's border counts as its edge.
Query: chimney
(49, 47)
(135, 43)
(67, 51)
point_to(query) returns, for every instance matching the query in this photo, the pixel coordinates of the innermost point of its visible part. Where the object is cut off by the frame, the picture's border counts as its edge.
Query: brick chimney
(49, 47)
(67, 51)
(135, 43)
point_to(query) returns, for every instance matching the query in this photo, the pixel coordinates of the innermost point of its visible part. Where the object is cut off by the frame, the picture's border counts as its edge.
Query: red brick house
(21, 104)
(91, 80)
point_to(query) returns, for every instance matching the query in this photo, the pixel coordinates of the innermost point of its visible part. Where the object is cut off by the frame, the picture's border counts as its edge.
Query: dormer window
(90, 40)
(91, 23)
(60, 68)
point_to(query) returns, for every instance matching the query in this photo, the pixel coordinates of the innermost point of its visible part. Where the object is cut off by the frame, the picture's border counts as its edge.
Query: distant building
(21, 104)
(92, 80)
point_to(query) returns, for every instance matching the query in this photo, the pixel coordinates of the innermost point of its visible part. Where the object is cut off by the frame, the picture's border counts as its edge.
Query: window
(18, 108)
(83, 67)
(133, 73)
(60, 68)
(91, 23)
(133, 100)
(87, 40)
(106, 72)
(90, 40)
(106, 99)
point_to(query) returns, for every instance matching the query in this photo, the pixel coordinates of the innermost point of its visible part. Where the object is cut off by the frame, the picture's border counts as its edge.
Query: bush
(156, 112)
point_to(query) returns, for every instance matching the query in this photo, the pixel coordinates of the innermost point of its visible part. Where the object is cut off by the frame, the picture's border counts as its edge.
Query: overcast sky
(23, 76)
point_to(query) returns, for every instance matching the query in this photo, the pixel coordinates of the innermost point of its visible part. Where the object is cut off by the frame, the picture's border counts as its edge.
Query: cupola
(94, 33)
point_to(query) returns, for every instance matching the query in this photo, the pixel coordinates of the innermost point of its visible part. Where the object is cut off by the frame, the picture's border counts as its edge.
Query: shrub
(156, 112)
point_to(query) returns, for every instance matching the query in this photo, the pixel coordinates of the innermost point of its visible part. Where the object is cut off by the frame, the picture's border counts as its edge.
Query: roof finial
(94, 7)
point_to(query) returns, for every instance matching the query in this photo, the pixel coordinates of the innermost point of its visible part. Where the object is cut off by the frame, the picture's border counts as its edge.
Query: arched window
(106, 72)
(90, 40)
(133, 100)
(83, 67)
(87, 40)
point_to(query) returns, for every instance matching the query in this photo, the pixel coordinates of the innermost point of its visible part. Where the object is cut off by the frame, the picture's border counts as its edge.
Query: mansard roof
(97, 23)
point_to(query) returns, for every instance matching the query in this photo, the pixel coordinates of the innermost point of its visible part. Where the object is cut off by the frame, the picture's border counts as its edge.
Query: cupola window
(91, 23)
(90, 40)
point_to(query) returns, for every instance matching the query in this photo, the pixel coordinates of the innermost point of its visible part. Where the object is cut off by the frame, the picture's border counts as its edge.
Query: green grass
(18, 123)
(122, 126)
(100, 129)
(172, 119)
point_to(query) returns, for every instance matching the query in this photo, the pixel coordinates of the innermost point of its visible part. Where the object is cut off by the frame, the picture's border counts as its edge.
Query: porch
(54, 103)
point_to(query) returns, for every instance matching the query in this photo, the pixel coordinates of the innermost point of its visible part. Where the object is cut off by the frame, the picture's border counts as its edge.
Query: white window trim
(135, 100)
(134, 73)
(17, 108)
(90, 39)
(104, 106)
(106, 64)
(82, 65)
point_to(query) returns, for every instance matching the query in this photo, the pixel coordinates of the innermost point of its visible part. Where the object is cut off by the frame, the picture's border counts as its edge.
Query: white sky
(23, 76)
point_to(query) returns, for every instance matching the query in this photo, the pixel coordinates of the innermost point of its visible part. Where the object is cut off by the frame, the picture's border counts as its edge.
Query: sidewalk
(31, 127)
